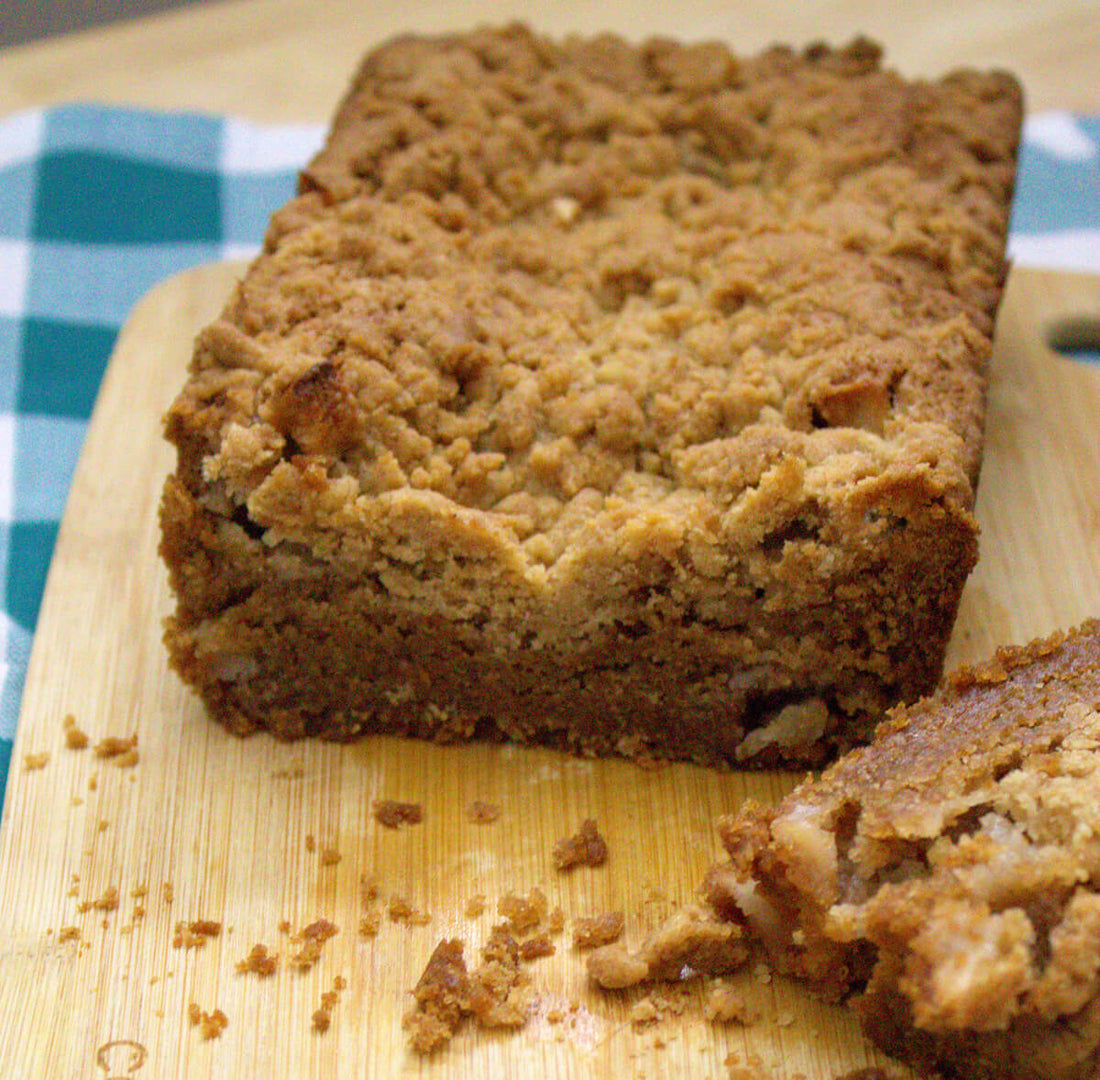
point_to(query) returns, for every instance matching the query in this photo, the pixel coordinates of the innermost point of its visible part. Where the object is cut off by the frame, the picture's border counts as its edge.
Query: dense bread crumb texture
(950, 871)
(624, 397)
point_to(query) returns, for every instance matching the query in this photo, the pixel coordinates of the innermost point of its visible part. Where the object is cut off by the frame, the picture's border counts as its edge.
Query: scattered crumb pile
(106, 901)
(322, 1017)
(524, 915)
(195, 934)
(123, 752)
(495, 994)
(586, 848)
(310, 942)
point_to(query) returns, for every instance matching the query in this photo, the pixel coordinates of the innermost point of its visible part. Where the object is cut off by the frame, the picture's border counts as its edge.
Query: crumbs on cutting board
(75, 739)
(585, 848)
(122, 752)
(322, 1017)
(499, 992)
(106, 901)
(393, 814)
(400, 909)
(210, 1024)
(482, 813)
(195, 934)
(259, 962)
(310, 941)
(592, 931)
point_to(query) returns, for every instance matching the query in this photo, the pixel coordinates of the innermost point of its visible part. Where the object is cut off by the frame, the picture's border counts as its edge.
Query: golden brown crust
(587, 384)
(950, 871)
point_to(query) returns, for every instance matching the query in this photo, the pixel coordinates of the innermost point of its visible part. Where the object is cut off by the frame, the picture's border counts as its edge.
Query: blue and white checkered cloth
(97, 204)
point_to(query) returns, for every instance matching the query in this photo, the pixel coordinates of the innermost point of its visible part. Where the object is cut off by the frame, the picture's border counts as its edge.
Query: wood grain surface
(254, 833)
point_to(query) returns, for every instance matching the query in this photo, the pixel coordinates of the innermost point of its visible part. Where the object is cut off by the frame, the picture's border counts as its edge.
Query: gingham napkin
(97, 204)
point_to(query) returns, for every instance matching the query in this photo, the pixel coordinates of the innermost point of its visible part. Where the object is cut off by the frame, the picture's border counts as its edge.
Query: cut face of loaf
(949, 872)
(623, 398)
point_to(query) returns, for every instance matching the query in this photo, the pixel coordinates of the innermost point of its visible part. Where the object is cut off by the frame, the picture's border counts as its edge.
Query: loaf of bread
(949, 872)
(625, 398)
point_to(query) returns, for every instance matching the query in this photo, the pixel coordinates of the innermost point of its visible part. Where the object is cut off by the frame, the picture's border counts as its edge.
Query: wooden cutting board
(256, 835)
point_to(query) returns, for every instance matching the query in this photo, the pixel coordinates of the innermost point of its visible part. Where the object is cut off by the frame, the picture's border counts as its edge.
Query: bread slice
(621, 397)
(949, 872)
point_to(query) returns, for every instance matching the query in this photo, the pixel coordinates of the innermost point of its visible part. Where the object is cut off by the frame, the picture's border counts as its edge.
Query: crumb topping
(562, 284)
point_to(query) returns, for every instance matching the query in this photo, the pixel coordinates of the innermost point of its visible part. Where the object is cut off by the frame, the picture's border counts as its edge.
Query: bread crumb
(475, 906)
(644, 1011)
(590, 932)
(311, 939)
(401, 910)
(123, 752)
(194, 934)
(369, 889)
(75, 739)
(370, 923)
(393, 814)
(482, 813)
(724, 1004)
(293, 772)
(533, 948)
(34, 762)
(68, 933)
(330, 856)
(441, 998)
(311, 843)
(692, 939)
(586, 848)
(523, 912)
(210, 1024)
(555, 921)
(107, 901)
(496, 994)
(167, 893)
(259, 962)
(322, 1017)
